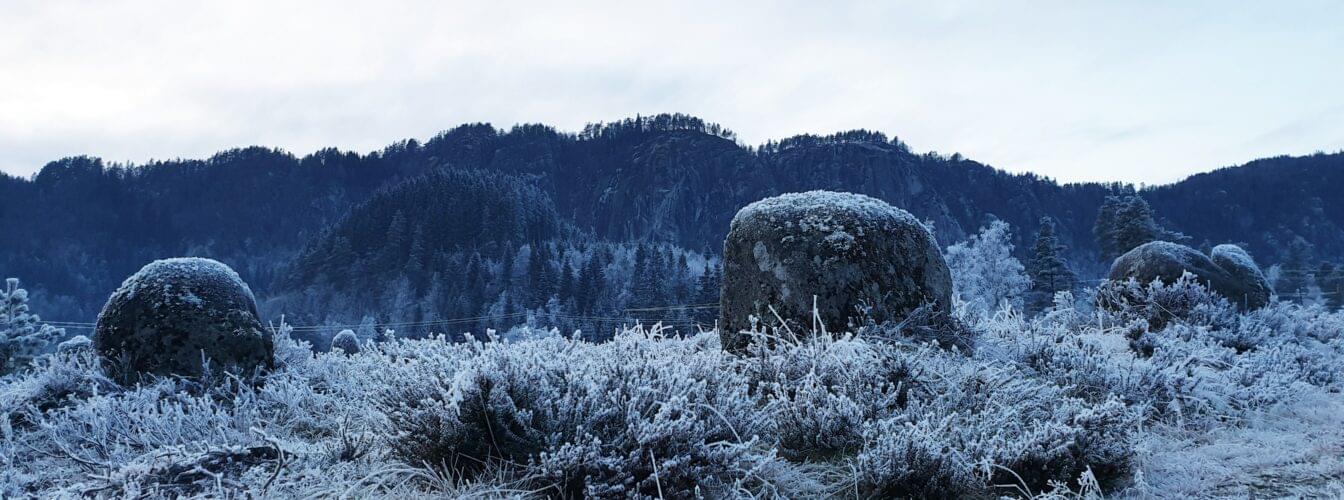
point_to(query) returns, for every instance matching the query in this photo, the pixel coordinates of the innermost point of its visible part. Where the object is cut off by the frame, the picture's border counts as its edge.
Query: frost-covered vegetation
(1075, 400)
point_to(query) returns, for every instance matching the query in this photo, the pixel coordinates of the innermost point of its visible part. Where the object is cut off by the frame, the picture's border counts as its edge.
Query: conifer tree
(1049, 271)
(22, 334)
(1125, 223)
(567, 281)
(708, 293)
(1332, 284)
(1294, 282)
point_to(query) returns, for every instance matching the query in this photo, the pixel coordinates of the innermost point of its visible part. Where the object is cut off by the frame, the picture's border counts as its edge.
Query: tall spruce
(1049, 271)
(1296, 275)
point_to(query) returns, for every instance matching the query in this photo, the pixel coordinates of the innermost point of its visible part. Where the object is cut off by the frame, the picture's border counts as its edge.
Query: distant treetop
(657, 123)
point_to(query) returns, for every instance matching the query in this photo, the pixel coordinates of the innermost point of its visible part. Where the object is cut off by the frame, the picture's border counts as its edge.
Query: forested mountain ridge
(1266, 204)
(75, 229)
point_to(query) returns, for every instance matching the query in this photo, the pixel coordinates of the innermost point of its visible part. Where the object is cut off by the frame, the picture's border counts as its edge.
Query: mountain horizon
(732, 137)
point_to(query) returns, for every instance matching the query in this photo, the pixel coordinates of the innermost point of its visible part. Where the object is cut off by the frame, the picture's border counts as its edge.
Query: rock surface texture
(175, 316)
(1231, 273)
(858, 256)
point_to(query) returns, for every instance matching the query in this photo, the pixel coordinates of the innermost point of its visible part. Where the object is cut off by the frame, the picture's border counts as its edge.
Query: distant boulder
(1246, 272)
(855, 254)
(346, 342)
(78, 343)
(175, 316)
(1165, 261)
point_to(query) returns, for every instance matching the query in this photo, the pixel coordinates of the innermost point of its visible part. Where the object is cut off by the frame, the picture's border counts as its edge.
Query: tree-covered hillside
(453, 244)
(78, 227)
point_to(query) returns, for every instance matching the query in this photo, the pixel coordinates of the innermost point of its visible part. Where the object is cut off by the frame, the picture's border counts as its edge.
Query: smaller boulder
(78, 343)
(1255, 287)
(178, 316)
(1166, 262)
(346, 342)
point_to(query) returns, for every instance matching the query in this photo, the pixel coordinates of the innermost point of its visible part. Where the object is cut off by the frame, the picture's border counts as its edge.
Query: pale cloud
(1142, 92)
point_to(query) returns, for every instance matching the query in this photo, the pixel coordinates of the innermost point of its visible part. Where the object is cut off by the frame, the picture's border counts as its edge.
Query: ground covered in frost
(1175, 395)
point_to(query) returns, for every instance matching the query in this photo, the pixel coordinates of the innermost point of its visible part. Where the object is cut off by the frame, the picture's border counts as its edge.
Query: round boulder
(858, 256)
(176, 316)
(78, 343)
(346, 342)
(1255, 290)
(1167, 262)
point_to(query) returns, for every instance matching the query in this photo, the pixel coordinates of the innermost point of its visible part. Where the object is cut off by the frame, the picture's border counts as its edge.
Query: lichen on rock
(860, 257)
(179, 317)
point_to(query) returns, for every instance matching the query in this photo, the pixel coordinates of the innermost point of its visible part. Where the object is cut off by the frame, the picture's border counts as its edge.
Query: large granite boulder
(1166, 261)
(858, 256)
(175, 316)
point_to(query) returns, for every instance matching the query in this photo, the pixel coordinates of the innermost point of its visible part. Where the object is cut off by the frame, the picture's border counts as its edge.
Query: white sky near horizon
(1145, 91)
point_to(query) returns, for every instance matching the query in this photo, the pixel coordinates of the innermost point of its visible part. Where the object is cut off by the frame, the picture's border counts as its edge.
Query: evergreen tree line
(458, 251)
(80, 226)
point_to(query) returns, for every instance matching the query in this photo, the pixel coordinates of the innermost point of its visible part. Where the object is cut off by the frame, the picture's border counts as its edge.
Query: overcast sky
(1132, 91)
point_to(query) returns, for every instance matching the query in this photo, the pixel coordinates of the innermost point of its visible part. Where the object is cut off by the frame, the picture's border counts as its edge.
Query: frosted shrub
(825, 389)
(925, 421)
(1157, 303)
(56, 381)
(975, 425)
(985, 275)
(629, 417)
(925, 325)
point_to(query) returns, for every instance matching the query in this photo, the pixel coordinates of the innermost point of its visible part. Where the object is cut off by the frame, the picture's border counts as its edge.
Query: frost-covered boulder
(176, 315)
(1246, 272)
(75, 344)
(346, 342)
(857, 255)
(1166, 262)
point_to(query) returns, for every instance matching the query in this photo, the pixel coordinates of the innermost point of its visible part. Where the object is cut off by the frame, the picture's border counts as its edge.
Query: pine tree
(1293, 282)
(591, 282)
(395, 240)
(541, 276)
(22, 334)
(682, 286)
(473, 284)
(368, 329)
(707, 294)
(1049, 271)
(567, 281)
(1332, 284)
(1125, 223)
(641, 280)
